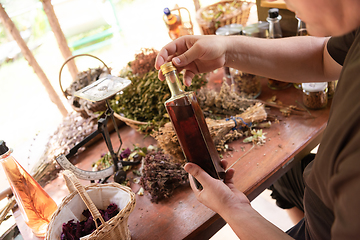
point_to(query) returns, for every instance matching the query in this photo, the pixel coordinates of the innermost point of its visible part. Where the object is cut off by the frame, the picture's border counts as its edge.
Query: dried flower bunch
(225, 103)
(160, 177)
(75, 230)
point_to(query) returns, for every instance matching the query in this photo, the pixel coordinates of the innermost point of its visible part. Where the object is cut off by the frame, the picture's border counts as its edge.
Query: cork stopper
(167, 67)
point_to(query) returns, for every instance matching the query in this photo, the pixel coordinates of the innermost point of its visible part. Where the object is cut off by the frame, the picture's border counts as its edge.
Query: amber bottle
(173, 22)
(190, 126)
(35, 205)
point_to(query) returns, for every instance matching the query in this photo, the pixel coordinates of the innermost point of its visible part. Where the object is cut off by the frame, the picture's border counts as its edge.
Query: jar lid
(167, 67)
(3, 147)
(314, 87)
(231, 29)
(273, 12)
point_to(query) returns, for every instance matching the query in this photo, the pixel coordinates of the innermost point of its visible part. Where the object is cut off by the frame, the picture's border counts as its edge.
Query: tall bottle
(35, 205)
(301, 31)
(173, 22)
(275, 32)
(190, 126)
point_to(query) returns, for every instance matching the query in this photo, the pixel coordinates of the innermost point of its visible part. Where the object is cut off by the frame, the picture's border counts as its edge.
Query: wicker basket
(90, 107)
(240, 16)
(93, 197)
(133, 123)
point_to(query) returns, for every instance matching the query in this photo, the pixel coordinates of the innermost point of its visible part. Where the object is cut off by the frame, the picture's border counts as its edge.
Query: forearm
(249, 224)
(295, 59)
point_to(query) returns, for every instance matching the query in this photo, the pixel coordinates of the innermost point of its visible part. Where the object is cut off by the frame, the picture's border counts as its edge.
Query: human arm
(295, 59)
(232, 205)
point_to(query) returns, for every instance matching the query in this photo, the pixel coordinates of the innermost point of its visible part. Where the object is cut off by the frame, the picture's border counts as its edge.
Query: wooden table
(182, 216)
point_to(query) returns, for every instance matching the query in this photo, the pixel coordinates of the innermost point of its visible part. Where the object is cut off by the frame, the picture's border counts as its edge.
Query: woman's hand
(217, 195)
(195, 54)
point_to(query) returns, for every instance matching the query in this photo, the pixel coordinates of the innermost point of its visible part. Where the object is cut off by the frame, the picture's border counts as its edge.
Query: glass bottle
(301, 31)
(190, 126)
(275, 32)
(173, 22)
(35, 205)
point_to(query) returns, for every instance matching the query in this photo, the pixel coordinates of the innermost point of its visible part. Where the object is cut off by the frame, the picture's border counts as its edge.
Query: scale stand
(100, 90)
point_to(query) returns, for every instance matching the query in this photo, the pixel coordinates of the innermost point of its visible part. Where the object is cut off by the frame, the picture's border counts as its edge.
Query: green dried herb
(144, 99)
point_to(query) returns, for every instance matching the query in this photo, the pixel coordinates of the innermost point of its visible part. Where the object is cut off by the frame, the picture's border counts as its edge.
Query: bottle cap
(314, 87)
(273, 12)
(3, 147)
(166, 11)
(167, 67)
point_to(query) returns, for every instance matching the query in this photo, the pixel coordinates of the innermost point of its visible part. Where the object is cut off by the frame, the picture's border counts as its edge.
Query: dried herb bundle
(160, 177)
(226, 102)
(144, 99)
(222, 131)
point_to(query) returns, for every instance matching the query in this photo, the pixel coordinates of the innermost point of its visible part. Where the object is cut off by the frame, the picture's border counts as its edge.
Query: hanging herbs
(144, 99)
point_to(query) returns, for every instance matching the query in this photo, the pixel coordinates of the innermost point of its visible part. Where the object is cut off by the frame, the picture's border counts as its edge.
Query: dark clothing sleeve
(338, 47)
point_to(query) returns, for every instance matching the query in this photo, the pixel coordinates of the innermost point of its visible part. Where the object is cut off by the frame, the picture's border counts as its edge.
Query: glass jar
(315, 95)
(247, 85)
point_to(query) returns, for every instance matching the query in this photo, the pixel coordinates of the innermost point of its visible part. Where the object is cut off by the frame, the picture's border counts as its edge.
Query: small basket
(90, 107)
(93, 197)
(239, 16)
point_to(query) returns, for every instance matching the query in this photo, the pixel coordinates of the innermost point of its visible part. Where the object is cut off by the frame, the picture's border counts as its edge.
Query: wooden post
(60, 37)
(197, 4)
(10, 26)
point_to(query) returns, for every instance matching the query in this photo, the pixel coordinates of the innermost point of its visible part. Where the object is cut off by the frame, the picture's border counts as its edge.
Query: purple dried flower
(125, 154)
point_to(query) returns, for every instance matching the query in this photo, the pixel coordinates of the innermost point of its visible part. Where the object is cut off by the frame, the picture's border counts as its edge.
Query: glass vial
(173, 23)
(315, 95)
(190, 126)
(275, 32)
(35, 205)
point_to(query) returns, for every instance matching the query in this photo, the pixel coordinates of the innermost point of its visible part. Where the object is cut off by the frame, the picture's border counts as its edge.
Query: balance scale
(100, 90)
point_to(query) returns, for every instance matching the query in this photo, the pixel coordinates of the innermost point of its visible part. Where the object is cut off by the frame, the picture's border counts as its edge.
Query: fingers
(198, 173)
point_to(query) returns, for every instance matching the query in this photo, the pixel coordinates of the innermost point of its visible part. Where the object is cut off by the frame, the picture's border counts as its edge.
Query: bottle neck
(5, 155)
(173, 81)
(274, 27)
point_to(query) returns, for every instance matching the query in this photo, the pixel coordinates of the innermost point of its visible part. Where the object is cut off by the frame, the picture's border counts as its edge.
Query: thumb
(198, 173)
(187, 57)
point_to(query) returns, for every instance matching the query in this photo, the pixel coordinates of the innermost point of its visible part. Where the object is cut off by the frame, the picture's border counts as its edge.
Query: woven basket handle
(73, 184)
(72, 57)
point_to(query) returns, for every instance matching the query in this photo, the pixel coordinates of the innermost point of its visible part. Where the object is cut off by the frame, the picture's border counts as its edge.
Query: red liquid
(193, 134)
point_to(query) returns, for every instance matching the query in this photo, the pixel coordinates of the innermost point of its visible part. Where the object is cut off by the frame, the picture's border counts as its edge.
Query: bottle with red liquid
(190, 126)
(35, 205)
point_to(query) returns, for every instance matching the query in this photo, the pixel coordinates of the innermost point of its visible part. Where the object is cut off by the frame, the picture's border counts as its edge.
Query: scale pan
(103, 88)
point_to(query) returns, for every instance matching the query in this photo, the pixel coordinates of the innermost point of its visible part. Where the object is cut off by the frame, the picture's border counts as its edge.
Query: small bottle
(173, 22)
(35, 205)
(275, 32)
(315, 95)
(190, 126)
(301, 31)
